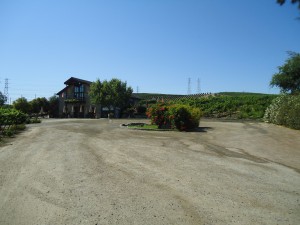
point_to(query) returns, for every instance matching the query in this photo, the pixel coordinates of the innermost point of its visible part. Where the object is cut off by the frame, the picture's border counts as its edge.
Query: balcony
(76, 98)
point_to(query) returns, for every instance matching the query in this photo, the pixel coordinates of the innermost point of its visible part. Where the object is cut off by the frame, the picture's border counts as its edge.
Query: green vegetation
(113, 93)
(53, 106)
(13, 118)
(288, 77)
(227, 105)
(2, 99)
(143, 126)
(38, 106)
(284, 110)
(11, 121)
(155, 96)
(174, 116)
(33, 120)
(233, 105)
(22, 104)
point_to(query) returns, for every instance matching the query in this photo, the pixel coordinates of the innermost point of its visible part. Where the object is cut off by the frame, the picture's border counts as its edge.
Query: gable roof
(73, 80)
(61, 91)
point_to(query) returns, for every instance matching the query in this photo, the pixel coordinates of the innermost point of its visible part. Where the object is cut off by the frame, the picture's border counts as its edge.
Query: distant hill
(153, 95)
(172, 97)
(167, 97)
(232, 105)
(238, 94)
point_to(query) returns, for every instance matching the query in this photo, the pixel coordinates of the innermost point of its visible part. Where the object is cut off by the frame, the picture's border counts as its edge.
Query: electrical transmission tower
(5, 93)
(189, 86)
(198, 86)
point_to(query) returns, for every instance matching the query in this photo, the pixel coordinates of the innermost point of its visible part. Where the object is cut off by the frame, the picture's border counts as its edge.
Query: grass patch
(33, 120)
(142, 126)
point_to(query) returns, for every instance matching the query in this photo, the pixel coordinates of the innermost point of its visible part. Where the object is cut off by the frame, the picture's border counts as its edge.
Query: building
(74, 101)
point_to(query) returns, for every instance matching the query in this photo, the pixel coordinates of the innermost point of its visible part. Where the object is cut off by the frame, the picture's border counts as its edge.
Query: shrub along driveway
(95, 172)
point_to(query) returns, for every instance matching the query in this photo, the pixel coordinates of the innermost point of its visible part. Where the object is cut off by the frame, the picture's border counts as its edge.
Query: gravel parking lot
(72, 171)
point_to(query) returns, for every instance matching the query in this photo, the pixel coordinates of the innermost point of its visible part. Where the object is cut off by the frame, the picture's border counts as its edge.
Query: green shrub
(284, 110)
(141, 109)
(9, 119)
(19, 127)
(159, 115)
(8, 132)
(185, 117)
(181, 117)
(33, 120)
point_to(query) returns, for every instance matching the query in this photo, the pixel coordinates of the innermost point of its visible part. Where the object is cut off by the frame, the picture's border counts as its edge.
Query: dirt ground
(96, 172)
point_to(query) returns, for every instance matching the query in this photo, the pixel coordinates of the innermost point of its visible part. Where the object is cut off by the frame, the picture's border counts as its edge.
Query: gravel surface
(74, 172)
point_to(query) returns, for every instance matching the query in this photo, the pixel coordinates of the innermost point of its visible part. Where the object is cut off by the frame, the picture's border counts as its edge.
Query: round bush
(181, 117)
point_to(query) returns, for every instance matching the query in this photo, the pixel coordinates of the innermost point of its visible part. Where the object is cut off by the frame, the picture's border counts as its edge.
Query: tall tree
(22, 104)
(39, 104)
(288, 77)
(110, 93)
(96, 93)
(118, 93)
(53, 106)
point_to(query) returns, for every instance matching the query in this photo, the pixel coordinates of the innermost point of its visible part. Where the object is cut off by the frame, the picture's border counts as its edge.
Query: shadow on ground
(202, 129)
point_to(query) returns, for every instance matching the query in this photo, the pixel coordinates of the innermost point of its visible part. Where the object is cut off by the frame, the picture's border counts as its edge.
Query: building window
(79, 91)
(64, 95)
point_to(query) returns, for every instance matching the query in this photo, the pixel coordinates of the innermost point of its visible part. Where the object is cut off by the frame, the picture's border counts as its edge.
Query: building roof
(73, 80)
(61, 91)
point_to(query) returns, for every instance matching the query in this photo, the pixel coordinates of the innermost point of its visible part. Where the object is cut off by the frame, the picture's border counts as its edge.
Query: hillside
(238, 94)
(166, 97)
(231, 105)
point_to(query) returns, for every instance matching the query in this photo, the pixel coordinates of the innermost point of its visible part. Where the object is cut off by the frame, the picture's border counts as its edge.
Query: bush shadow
(202, 129)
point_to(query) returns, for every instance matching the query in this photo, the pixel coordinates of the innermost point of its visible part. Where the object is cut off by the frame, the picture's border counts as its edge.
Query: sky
(156, 46)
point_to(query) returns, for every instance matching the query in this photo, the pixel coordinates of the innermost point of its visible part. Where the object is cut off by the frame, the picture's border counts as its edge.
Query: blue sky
(155, 45)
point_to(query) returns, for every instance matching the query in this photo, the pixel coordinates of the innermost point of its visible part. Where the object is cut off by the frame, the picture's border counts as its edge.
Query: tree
(38, 104)
(22, 104)
(288, 77)
(281, 2)
(96, 92)
(53, 106)
(118, 93)
(113, 93)
(2, 99)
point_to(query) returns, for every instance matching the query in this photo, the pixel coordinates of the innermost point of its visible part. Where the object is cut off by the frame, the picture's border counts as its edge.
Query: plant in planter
(73, 100)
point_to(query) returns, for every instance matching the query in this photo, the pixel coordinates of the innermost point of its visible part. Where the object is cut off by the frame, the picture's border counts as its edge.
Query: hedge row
(284, 110)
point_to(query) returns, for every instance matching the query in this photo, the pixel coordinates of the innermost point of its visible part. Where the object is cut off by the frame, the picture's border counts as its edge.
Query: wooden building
(74, 101)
